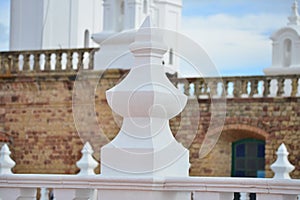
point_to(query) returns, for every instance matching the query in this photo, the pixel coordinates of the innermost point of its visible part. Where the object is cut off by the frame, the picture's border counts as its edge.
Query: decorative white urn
(146, 99)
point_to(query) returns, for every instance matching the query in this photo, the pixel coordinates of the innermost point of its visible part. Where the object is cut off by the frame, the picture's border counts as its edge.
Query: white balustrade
(23, 186)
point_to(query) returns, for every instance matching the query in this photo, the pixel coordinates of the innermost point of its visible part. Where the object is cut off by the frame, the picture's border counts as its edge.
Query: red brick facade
(36, 114)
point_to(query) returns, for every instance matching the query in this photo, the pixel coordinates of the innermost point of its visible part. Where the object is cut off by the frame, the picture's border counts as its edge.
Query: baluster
(91, 60)
(44, 194)
(213, 85)
(47, 67)
(69, 60)
(15, 63)
(254, 88)
(5, 69)
(197, 89)
(237, 88)
(244, 196)
(226, 88)
(80, 60)
(222, 91)
(213, 195)
(267, 85)
(1, 64)
(201, 87)
(294, 87)
(26, 65)
(203, 90)
(58, 61)
(280, 85)
(186, 88)
(244, 87)
(36, 65)
(10, 63)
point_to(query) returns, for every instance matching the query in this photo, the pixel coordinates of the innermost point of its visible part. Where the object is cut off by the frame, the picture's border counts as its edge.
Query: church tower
(286, 47)
(124, 15)
(47, 24)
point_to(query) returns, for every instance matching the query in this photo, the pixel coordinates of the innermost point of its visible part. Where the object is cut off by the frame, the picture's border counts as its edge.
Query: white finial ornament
(87, 163)
(6, 163)
(294, 18)
(282, 167)
(146, 100)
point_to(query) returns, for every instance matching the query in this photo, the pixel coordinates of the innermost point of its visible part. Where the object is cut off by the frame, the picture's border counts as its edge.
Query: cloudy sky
(235, 33)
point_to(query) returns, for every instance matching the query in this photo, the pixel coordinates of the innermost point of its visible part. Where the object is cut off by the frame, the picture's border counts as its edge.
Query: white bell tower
(286, 47)
(121, 16)
(48, 24)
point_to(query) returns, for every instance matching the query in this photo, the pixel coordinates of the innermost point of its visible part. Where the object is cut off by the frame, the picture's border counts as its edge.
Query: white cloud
(235, 43)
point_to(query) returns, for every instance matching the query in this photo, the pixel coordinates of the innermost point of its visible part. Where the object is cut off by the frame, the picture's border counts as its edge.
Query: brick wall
(37, 114)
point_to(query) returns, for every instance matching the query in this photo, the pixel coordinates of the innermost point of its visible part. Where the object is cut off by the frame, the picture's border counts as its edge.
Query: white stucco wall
(46, 24)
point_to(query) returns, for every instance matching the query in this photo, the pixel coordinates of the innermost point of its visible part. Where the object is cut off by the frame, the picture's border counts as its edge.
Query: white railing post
(44, 194)
(282, 167)
(87, 163)
(6, 163)
(244, 196)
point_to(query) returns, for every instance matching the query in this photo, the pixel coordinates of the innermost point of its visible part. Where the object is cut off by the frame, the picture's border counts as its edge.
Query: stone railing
(14, 62)
(240, 86)
(71, 60)
(88, 186)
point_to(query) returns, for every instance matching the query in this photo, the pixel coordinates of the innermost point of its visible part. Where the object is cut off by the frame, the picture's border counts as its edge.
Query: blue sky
(235, 33)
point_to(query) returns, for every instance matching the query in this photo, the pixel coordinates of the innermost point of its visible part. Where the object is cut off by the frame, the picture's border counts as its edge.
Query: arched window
(122, 8)
(171, 57)
(248, 158)
(120, 22)
(287, 53)
(145, 7)
(86, 38)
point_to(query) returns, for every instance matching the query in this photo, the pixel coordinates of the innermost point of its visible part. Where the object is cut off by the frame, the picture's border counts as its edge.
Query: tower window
(145, 7)
(86, 38)
(122, 8)
(287, 53)
(171, 57)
